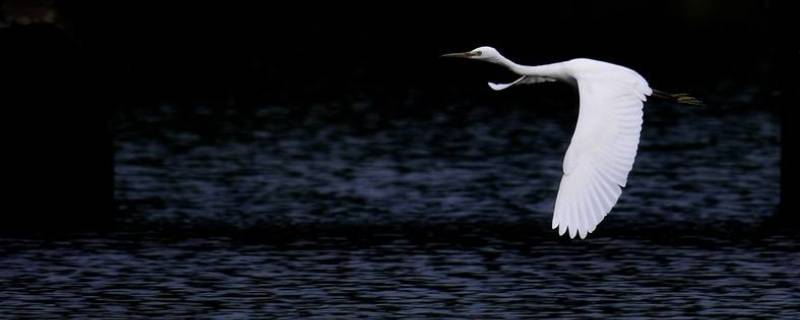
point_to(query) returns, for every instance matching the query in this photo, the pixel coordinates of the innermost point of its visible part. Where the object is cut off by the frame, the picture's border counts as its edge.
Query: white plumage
(604, 145)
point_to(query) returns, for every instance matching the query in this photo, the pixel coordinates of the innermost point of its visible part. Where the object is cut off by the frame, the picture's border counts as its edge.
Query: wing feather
(520, 80)
(603, 148)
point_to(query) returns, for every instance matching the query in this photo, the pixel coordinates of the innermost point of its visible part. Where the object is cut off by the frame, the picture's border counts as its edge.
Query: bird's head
(487, 54)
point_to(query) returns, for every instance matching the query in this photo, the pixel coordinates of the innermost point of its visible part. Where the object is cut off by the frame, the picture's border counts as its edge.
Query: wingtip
(572, 232)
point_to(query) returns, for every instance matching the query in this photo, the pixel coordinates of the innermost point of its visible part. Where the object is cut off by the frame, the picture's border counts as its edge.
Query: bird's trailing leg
(682, 98)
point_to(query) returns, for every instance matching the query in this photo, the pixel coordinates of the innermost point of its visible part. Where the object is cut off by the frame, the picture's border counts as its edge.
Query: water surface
(297, 213)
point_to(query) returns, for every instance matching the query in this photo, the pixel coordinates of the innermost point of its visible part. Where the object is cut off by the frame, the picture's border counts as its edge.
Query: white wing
(521, 80)
(604, 144)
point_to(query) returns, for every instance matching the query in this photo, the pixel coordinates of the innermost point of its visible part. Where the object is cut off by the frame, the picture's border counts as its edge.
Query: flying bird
(603, 147)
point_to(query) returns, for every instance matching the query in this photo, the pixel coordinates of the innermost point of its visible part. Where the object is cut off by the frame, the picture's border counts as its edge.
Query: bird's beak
(457, 55)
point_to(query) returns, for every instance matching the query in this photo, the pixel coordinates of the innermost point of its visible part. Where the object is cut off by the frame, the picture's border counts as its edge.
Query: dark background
(64, 79)
(234, 159)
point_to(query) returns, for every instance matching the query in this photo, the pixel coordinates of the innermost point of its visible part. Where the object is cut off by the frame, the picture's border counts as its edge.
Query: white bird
(603, 147)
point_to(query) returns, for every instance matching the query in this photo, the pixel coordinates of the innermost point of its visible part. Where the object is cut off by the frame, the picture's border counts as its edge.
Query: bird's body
(604, 145)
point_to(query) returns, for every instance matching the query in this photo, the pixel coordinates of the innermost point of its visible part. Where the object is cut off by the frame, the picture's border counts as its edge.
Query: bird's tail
(682, 98)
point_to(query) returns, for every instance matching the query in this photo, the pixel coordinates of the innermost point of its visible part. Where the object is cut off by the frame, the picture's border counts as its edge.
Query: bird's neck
(553, 70)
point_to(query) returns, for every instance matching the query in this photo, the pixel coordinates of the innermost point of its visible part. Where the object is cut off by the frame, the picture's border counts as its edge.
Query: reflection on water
(320, 279)
(296, 213)
(272, 166)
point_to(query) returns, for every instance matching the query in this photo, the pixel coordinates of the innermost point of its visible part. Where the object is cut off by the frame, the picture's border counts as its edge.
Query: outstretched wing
(521, 80)
(603, 147)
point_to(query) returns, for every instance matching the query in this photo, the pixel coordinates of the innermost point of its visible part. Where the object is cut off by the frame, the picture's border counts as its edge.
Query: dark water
(285, 212)
(324, 278)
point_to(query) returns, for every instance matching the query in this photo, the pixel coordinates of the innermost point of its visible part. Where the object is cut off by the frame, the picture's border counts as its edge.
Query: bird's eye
(478, 53)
